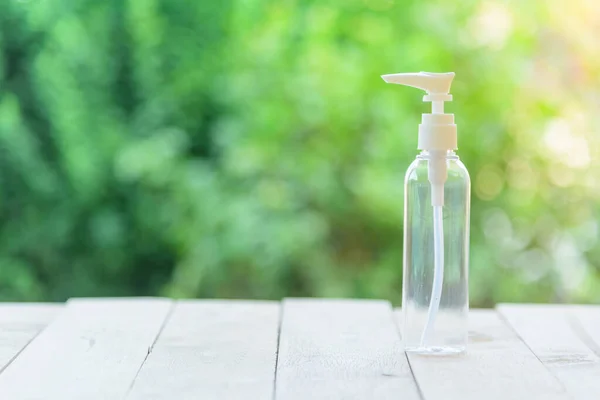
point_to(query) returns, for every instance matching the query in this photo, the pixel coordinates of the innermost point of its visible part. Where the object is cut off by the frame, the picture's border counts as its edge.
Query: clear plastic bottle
(435, 296)
(443, 331)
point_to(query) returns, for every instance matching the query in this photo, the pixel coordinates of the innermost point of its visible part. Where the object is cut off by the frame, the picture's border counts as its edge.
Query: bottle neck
(426, 155)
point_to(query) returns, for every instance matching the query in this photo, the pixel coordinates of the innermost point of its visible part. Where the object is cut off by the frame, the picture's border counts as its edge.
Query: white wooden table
(298, 349)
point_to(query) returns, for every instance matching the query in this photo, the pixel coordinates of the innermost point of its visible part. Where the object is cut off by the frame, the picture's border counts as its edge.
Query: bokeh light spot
(489, 182)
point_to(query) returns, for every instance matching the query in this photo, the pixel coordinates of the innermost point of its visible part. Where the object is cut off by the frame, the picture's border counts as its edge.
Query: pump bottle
(435, 299)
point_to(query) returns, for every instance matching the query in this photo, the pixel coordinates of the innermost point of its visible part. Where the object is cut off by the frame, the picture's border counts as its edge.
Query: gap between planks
(213, 349)
(497, 365)
(20, 323)
(586, 321)
(551, 333)
(91, 351)
(341, 349)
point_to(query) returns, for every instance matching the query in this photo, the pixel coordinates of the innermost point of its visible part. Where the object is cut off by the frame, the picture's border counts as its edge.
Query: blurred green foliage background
(249, 149)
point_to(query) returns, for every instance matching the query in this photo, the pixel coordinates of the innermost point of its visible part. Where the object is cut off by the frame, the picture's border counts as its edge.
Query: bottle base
(436, 350)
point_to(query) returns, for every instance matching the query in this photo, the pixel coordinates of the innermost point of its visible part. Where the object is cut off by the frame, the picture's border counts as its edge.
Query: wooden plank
(341, 349)
(93, 350)
(587, 320)
(497, 365)
(19, 324)
(213, 350)
(549, 333)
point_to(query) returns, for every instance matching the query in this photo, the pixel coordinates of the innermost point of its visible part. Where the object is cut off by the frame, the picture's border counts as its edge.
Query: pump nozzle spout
(430, 82)
(437, 131)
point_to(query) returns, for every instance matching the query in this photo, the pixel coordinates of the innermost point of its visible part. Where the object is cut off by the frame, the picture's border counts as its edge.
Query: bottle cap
(437, 131)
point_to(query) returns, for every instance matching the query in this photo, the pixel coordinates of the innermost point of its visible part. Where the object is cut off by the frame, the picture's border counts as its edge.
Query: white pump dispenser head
(437, 131)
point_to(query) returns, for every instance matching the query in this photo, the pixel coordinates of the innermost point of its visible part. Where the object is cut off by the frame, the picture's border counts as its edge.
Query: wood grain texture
(587, 322)
(341, 349)
(213, 350)
(497, 365)
(549, 333)
(19, 324)
(92, 350)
